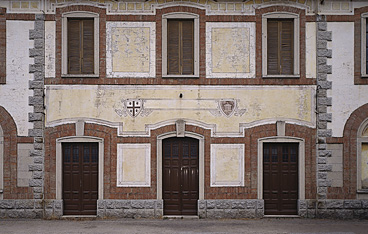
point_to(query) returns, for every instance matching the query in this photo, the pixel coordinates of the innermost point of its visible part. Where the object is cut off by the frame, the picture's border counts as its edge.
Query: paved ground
(295, 226)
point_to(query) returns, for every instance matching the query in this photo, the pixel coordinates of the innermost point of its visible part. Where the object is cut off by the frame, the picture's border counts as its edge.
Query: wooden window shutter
(180, 47)
(80, 46)
(280, 47)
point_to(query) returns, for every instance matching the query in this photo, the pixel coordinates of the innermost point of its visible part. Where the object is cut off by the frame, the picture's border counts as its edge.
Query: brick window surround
(299, 15)
(359, 75)
(2, 46)
(101, 36)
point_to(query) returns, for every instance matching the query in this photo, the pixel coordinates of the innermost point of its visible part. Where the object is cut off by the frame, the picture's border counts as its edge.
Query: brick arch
(349, 140)
(9, 127)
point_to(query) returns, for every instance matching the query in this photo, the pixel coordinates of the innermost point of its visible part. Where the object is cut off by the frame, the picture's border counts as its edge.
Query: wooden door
(280, 178)
(180, 176)
(80, 178)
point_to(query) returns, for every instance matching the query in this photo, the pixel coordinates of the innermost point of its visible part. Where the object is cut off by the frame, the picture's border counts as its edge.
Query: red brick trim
(11, 191)
(135, 18)
(102, 40)
(2, 46)
(349, 140)
(248, 191)
(358, 80)
(340, 18)
(25, 17)
(302, 68)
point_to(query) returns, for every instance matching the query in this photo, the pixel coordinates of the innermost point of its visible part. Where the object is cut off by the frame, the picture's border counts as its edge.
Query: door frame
(301, 162)
(200, 138)
(59, 165)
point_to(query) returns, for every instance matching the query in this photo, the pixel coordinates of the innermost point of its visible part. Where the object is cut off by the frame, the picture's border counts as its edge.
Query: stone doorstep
(281, 216)
(180, 217)
(79, 217)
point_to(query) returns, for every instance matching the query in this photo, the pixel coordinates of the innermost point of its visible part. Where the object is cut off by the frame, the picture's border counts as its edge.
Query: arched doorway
(180, 174)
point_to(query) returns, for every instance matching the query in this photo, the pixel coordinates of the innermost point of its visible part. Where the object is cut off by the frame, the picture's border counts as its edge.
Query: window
(80, 46)
(180, 49)
(280, 45)
(180, 45)
(80, 52)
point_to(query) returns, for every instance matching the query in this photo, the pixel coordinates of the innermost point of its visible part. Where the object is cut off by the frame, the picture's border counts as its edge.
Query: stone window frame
(281, 15)
(360, 141)
(1, 163)
(363, 39)
(64, 42)
(180, 15)
(201, 156)
(59, 162)
(301, 161)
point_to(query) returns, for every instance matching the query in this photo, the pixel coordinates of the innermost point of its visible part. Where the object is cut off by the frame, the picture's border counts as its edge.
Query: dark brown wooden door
(80, 178)
(180, 176)
(280, 178)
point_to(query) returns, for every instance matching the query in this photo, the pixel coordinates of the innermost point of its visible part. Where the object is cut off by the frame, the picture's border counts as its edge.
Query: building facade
(217, 109)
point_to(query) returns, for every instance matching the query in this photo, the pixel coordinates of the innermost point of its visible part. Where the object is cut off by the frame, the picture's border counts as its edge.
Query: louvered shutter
(173, 47)
(280, 47)
(287, 47)
(74, 46)
(80, 46)
(273, 48)
(187, 43)
(180, 47)
(88, 47)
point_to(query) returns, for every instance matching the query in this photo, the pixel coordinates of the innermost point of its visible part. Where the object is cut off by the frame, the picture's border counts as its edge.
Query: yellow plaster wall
(227, 165)
(364, 163)
(130, 49)
(162, 103)
(230, 50)
(134, 165)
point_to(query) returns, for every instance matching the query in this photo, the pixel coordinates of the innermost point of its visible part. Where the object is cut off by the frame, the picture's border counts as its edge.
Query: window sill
(80, 76)
(180, 76)
(362, 191)
(281, 76)
(364, 76)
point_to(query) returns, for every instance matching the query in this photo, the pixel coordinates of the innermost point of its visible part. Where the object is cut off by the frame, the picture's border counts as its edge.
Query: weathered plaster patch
(50, 49)
(227, 165)
(160, 103)
(310, 50)
(15, 93)
(23, 161)
(348, 96)
(131, 50)
(364, 164)
(230, 50)
(133, 169)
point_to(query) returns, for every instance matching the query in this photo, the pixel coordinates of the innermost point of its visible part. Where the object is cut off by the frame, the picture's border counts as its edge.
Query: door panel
(80, 178)
(180, 176)
(280, 178)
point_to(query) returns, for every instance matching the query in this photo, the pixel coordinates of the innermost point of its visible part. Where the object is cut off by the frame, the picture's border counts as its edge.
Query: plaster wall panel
(15, 93)
(230, 50)
(311, 56)
(138, 106)
(364, 165)
(133, 169)
(346, 97)
(227, 165)
(130, 49)
(50, 49)
(23, 161)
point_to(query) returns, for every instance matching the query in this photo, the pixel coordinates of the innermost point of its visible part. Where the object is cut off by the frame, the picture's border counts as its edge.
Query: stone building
(211, 108)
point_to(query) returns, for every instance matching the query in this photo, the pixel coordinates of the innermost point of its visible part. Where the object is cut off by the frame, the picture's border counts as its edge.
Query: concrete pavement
(267, 225)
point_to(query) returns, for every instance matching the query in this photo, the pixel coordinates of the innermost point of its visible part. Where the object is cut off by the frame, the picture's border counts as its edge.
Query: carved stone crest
(133, 106)
(227, 106)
